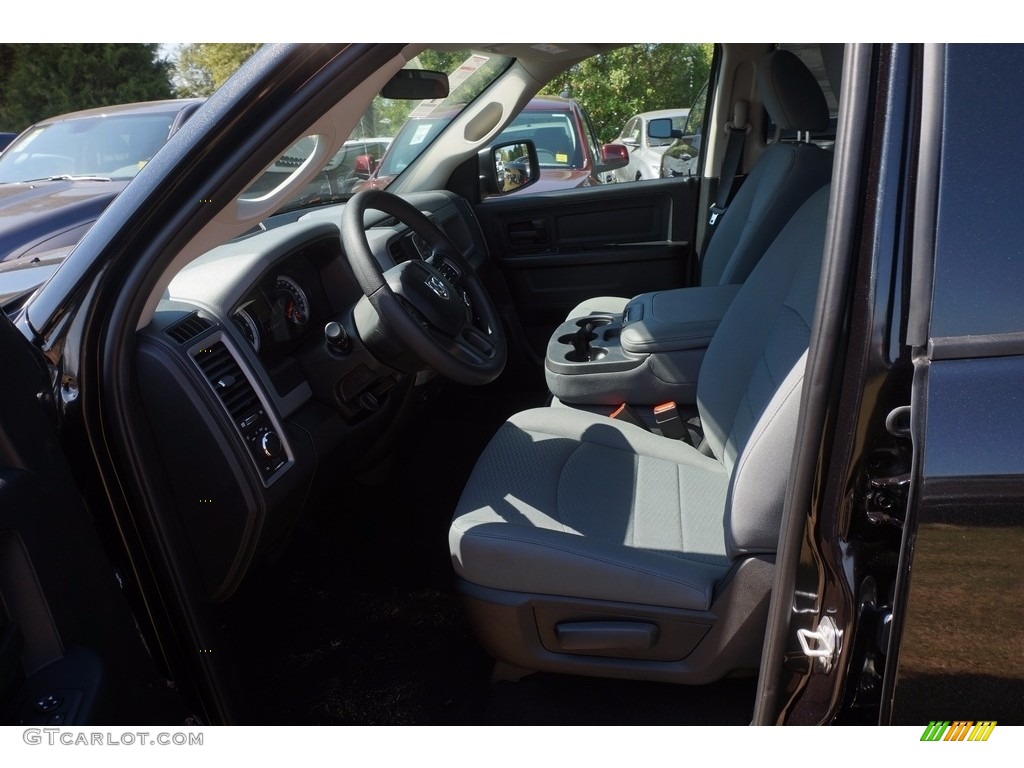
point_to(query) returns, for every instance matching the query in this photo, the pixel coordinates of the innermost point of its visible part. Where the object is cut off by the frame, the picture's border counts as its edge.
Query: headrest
(832, 55)
(791, 95)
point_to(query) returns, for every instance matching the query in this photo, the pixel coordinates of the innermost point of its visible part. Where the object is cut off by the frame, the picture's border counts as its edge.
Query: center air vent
(188, 328)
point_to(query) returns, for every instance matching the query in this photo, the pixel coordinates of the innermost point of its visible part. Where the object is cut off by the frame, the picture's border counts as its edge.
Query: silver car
(645, 152)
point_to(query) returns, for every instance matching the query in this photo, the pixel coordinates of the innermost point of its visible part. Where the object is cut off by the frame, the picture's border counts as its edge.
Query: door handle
(532, 232)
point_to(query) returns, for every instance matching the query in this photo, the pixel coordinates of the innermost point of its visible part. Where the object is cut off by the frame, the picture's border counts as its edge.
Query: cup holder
(593, 322)
(571, 338)
(589, 356)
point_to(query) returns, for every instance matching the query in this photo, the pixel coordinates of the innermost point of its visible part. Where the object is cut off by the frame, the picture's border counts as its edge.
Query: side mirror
(365, 165)
(613, 156)
(508, 166)
(661, 128)
(416, 84)
(362, 166)
(679, 160)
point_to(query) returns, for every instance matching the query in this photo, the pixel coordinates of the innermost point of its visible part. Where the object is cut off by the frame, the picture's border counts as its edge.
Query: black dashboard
(247, 398)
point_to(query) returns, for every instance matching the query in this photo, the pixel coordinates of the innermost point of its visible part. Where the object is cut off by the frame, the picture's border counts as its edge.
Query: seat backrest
(781, 180)
(748, 392)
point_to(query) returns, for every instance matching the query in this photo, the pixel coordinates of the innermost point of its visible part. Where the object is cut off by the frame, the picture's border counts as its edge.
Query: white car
(644, 152)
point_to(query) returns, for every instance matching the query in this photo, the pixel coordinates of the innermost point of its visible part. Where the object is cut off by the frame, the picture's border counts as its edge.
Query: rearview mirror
(416, 84)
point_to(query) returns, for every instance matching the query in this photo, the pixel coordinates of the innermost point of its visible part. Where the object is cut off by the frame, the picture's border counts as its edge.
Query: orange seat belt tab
(667, 418)
(628, 413)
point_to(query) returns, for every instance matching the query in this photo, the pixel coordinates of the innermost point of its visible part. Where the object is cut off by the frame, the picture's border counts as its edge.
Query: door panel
(961, 654)
(559, 248)
(66, 633)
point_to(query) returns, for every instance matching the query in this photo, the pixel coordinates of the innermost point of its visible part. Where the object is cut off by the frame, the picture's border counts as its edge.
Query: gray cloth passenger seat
(587, 545)
(784, 177)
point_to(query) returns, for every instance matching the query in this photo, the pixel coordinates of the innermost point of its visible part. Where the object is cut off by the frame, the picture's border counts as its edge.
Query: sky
(469, 20)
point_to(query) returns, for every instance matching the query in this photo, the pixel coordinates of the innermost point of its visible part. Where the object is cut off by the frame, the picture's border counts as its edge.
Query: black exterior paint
(960, 629)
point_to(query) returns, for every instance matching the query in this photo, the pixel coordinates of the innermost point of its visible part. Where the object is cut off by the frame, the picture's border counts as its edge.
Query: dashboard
(249, 400)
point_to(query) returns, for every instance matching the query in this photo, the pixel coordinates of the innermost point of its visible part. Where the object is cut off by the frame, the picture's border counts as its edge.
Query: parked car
(5, 139)
(644, 151)
(569, 155)
(233, 432)
(60, 173)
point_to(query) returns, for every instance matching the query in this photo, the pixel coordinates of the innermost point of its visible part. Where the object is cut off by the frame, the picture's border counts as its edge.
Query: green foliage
(201, 68)
(616, 85)
(439, 61)
(39, 81)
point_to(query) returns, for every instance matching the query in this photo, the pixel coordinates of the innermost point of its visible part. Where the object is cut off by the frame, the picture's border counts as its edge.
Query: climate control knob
(271, 444)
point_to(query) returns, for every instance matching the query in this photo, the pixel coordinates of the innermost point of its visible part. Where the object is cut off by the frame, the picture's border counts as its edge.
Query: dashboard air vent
(226, 377)
(188, 328)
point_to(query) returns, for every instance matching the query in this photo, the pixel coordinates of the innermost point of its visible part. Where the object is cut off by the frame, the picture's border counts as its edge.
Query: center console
(649, 354)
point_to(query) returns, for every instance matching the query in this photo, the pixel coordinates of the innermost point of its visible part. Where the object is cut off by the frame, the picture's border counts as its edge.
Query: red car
(568, 153)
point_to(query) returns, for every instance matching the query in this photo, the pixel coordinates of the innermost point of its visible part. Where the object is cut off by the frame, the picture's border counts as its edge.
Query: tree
(39, 81)
(201, 68)
(616, 85)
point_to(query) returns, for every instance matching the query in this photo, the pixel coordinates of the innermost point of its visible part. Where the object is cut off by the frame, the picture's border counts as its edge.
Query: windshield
(104, 146)
(552, 131)
(387, 124)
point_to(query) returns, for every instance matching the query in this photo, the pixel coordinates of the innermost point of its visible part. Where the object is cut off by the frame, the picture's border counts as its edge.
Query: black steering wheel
(437, 308)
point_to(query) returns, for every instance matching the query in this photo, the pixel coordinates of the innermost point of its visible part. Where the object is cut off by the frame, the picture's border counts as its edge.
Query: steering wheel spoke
(474, 345)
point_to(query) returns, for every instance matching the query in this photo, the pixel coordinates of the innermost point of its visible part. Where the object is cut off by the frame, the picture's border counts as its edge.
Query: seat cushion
(568, 503)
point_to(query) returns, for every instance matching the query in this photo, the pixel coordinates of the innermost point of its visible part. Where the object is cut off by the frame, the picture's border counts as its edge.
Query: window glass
(695, 119)
(620, 103)
(682, 157)
(553, 133)
(589, 138)
(568, 121)
(114, 146)
(391, 134)
(632, 130)
(979, 246)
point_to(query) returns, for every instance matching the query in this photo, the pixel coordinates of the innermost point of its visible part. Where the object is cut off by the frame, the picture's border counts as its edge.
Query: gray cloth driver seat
(591, 546)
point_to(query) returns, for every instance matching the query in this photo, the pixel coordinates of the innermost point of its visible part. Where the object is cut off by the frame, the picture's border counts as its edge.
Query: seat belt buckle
(667, 418)
(715, 212)
(628, 414)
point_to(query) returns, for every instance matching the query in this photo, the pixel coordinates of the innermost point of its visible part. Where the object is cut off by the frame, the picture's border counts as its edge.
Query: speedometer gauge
(296, 304)
(249, 328)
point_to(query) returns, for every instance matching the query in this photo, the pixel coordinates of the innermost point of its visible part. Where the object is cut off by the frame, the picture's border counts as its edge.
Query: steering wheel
(438, 309)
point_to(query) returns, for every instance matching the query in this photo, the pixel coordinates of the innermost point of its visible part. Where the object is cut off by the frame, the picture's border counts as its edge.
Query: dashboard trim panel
(251, 425)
